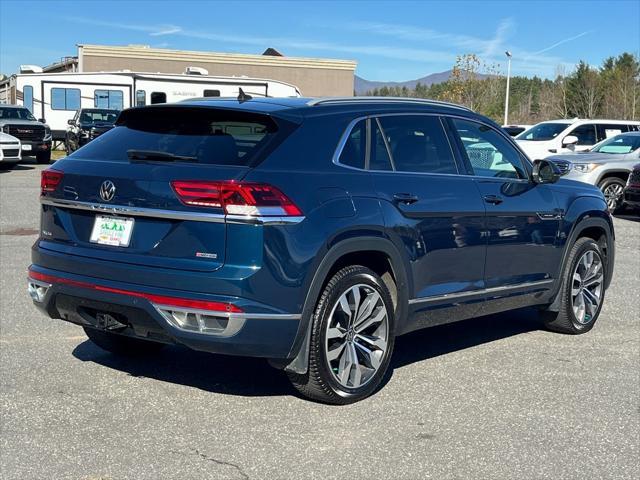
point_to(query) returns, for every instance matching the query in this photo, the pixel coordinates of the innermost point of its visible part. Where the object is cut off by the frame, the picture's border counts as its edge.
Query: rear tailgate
(105, 186)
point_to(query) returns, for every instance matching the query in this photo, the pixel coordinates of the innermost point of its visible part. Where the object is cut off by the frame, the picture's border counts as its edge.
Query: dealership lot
(488, 398)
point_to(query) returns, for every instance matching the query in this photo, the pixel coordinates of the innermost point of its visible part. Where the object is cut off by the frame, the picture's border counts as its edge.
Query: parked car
(568, 136)
(87, 124)
(34, 135)
(9, 151)
(632, 189)
(347, 223)
(607, 165)
(515, 130)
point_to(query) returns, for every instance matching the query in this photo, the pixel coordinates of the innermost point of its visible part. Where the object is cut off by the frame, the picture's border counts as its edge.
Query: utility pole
(506, 100)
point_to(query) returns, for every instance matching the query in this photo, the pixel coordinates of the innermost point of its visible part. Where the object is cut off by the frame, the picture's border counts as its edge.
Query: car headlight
(585, 167)
(84, 133)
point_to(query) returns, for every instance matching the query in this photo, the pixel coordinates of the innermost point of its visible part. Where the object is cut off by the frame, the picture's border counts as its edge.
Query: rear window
(203, 135)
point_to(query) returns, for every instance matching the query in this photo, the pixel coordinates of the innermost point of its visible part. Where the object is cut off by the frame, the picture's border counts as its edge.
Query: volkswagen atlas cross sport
(311, 233)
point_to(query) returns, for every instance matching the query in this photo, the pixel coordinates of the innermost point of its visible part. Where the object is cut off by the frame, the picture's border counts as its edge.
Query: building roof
(163, 54)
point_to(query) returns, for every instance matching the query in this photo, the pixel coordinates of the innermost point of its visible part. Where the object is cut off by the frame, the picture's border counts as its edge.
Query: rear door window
(418, 143)
(194, 135)
(354, 148)
(586, 134)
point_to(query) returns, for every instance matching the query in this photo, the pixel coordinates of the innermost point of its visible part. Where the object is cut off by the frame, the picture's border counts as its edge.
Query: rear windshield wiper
(152, 155)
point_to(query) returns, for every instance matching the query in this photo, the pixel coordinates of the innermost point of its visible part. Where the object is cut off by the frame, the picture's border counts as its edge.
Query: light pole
(506, 100)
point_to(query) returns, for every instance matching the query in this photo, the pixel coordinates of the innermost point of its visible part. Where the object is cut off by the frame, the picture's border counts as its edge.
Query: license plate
(114, 231)
(26, 148)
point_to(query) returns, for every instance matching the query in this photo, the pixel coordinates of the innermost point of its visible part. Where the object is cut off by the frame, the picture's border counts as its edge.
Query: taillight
(49, 180)
(250, 199)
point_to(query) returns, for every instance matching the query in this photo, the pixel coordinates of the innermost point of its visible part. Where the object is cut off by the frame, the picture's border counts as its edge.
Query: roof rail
(370, 99)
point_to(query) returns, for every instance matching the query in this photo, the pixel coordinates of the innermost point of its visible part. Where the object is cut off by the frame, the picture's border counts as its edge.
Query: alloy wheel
(586, 287)
(357, 336)
(612, 194)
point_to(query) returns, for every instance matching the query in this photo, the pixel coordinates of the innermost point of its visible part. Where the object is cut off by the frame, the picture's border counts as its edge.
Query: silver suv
(607, 165)
(34, 135)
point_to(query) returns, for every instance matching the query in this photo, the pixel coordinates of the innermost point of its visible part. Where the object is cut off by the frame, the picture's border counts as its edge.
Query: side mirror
(42, 120)
(70, 122)
(545, 171)
(569, 140)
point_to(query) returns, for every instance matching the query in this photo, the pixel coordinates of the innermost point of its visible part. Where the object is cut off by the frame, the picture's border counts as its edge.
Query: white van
(566, 136)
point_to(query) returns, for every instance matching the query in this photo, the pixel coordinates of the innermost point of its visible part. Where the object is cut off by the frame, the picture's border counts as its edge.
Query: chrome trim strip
(168, 214)
(474, 293)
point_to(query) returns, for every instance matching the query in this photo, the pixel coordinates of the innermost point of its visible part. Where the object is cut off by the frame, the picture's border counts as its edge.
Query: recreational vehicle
(55, 97)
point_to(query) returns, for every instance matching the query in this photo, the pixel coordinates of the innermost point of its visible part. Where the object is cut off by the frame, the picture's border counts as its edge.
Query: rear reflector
(156, 299)
(50, 179)
(249, 199)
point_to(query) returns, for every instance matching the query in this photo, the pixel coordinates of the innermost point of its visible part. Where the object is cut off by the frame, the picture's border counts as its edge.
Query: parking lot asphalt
(495, 397)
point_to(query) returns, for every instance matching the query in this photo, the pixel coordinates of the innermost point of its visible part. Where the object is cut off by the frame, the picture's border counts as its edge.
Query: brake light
(49, 180)
(250, 199)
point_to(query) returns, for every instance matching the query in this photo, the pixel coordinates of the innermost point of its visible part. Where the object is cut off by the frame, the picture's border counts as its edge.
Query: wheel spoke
(373, 356)
(579, 308)
(591, 299)
(355, 291)
(335, 332)
(344, 305)
(380, 315)
(336, 352)
(367, 307)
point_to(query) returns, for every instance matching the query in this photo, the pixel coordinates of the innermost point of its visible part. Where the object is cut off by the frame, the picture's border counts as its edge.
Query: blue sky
(390, 40)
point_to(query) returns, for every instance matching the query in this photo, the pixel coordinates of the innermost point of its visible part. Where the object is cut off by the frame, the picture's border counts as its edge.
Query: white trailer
(55, 97)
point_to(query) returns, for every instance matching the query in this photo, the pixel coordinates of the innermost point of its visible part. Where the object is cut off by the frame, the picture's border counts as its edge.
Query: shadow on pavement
(17, 167)
(254, 377)
(628, 216)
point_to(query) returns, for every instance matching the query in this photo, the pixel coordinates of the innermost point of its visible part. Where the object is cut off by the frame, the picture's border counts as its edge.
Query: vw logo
(107, 190)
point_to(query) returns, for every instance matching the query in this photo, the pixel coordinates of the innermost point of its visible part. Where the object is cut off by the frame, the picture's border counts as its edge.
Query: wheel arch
(371, 252)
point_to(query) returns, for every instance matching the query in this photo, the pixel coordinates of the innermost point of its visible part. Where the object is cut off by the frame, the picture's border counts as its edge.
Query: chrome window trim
(484, 291)
(169, 214)
(343, 139)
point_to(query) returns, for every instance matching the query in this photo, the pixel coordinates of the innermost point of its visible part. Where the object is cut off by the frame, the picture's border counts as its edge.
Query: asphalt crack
(216, 461)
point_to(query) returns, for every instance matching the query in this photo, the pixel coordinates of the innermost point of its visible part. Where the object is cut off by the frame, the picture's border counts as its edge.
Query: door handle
(405, 198)
(493, 199)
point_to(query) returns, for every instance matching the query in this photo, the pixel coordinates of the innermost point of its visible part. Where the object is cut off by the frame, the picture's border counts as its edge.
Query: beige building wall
(314, 77)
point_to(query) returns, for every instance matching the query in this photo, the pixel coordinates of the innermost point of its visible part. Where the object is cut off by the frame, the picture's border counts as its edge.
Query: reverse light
(247, 199)
(49, 180)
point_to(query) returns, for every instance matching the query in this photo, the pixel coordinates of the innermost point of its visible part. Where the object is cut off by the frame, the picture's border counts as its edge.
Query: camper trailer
(55, 97)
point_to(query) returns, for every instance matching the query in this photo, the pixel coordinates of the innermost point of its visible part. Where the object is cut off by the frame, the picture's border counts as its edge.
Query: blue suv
(311, 232)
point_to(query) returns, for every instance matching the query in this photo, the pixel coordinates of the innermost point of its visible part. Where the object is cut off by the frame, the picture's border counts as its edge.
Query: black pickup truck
(87, 124)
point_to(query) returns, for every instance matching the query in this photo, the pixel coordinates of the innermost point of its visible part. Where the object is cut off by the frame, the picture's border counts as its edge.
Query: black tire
(43, 158)
(609, 184)
(565, 321)
(319, 383)
(121, 345)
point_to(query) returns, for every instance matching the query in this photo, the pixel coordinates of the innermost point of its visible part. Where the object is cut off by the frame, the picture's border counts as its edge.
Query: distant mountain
(363, 86)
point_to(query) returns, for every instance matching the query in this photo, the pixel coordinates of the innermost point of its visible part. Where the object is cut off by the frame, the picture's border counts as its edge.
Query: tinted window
(108, 99)
(354, 149)
(65, 98)
(488, 152)
(141, 98)
(418, 143)
(605, 131)
(90, 116)
(207, 135)
(15, 113)
(212, 93)
(27, 97)
(158, 97)
(586, 134)
(379, 157)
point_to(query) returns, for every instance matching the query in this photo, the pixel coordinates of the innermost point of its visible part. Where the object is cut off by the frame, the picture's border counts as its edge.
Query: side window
(489, 153)
(141, 98)
(607, 131)
(65, 98)
(354, 149)
(111, 99)
(379, 156)
(586, 134)
(27, 97)
(212, 93)
(418, 143)
(158, 97)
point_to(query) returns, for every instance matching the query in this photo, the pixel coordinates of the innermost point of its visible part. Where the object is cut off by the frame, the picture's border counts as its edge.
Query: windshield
(98, 116)
(619, 144)
(543, 131)
(203, 135)
(16, 114)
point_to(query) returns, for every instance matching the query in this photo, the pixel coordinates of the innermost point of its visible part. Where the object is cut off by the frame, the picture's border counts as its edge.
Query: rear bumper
(258, 330)
(632, 196)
